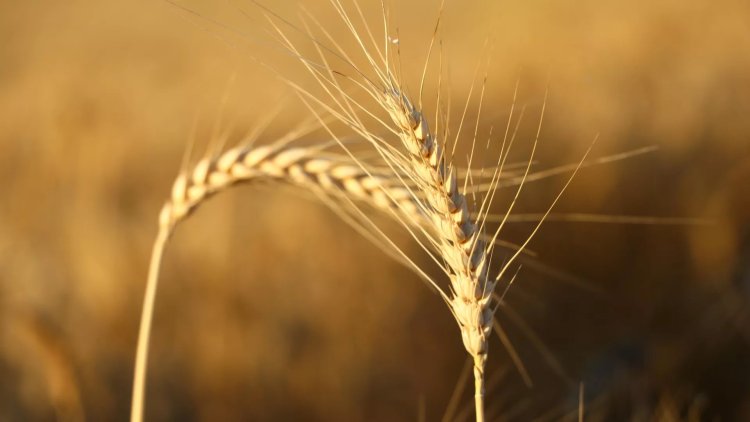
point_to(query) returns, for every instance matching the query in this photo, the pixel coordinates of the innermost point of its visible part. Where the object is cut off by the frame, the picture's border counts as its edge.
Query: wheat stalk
(306, 167)
(458, 241)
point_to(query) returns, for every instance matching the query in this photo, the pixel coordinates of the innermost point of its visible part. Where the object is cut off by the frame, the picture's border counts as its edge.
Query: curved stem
(141, 356)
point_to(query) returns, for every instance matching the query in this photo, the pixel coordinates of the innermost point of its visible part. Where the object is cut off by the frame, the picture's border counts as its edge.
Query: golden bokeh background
(271, 309)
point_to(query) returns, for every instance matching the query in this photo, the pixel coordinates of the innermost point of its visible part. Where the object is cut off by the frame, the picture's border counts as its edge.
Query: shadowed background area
(271, 309)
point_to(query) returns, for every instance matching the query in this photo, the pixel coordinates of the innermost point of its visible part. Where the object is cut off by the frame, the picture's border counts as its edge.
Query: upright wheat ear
(460, 240)
(304, 167)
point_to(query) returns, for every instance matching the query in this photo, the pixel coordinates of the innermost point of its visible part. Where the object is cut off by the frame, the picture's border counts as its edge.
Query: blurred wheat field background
(271, 309)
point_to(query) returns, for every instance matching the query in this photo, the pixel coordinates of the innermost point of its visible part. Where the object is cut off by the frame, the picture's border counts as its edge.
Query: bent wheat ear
(308, 168)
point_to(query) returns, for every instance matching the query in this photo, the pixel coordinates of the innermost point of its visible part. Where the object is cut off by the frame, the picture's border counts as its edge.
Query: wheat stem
(141, 356)
(479, 392)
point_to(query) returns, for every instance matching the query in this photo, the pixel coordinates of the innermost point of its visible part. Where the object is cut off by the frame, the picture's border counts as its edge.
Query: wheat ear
(305, 167)
(460, 240)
